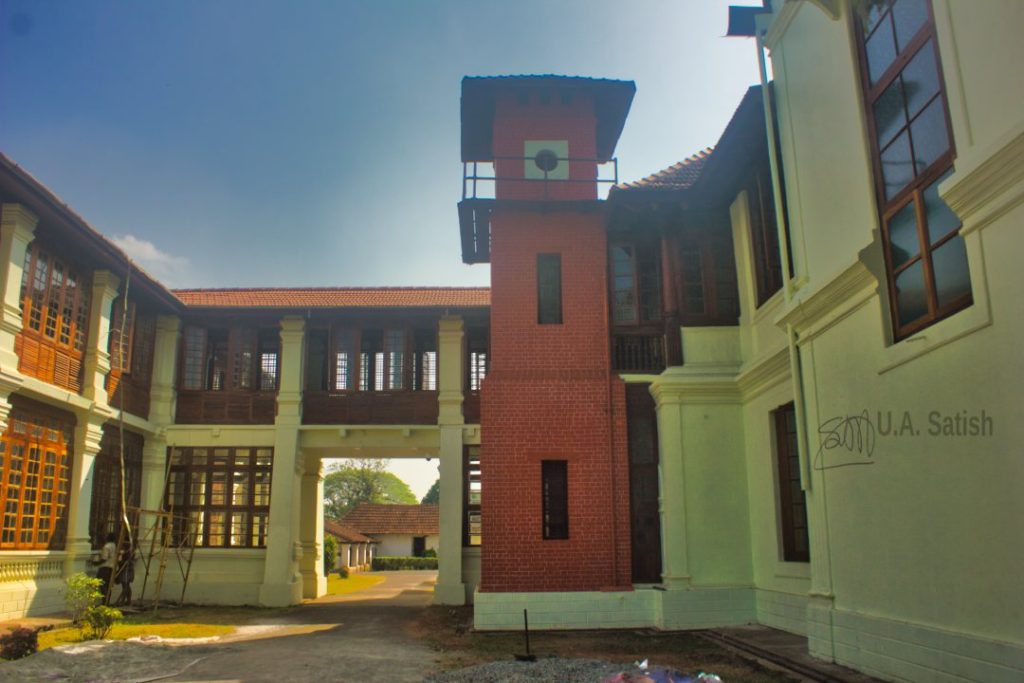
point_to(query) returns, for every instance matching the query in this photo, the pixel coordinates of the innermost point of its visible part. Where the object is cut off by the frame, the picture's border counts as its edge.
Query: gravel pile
(547, 670)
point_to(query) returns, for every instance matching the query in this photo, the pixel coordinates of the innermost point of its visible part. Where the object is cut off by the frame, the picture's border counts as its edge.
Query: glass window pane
(897, 169)
(952, 277)
(911, 297)
(218, 488)
(921, 79)
(217, 524)
(909, 16)
(940, 218)
(197, 489)
(903, 237)
(239, 526)
(930, 138)
(869, 21)
(890, 116)
(241, 457)
(221, 456)
(880, 49)
(240, 489)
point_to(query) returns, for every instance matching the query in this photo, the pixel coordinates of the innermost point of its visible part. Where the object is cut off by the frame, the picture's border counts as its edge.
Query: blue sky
(230, 143)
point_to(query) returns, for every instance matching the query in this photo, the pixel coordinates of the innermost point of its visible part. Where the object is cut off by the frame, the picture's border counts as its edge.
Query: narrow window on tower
(549, 289)
(555, 498)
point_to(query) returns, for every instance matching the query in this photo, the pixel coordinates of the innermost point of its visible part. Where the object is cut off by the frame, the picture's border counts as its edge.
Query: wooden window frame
(105, 509)
(792, 513)
(471, 505)
(478, 360)
(425, 359)
(223, 366)
(55, 313)
(554, 499)
(764, 234)
(48, 436)
(183, 467)
(549, 289)
(651, 251)
(913, 191)
(120, 350)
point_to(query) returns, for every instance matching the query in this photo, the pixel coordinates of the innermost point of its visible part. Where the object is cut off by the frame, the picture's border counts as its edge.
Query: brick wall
(545, 115)
(550, 395)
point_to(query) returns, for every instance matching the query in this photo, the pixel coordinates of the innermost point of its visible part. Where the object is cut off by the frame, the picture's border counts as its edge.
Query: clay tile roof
(337, 297)
(679, 176)
(345, 533)
(379, 518)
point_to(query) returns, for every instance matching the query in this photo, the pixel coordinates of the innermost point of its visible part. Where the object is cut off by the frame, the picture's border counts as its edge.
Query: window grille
(35, 464)
(226, 493)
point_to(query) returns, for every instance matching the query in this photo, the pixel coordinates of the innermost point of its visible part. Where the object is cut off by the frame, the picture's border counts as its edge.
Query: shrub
(430, 552)
(80, 593)
(99, 619)
(395, 563)
(343, 572)
(330, 553)
(21, 642)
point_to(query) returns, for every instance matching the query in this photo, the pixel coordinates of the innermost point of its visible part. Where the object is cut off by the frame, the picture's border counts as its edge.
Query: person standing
(108, 561)
(125, 576)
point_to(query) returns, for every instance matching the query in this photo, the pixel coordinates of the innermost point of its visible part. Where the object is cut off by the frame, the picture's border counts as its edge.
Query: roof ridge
(333, 288)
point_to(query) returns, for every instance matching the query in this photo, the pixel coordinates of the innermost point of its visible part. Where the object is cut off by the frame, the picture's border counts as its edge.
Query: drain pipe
(773, 162)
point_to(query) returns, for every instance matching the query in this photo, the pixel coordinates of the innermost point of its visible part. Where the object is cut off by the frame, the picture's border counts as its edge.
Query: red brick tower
(555, 477)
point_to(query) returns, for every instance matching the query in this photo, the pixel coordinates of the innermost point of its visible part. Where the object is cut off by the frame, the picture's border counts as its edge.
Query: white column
(821, 599)
(165, 361)
(450, 362)
(671, 483)
(282, 579)
(154, 474)
(17, 229)
(450, 589)
(314, 582)
(97, 358)
(88, 433)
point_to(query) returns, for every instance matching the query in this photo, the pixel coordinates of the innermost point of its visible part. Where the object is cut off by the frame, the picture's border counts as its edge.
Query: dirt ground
(389, 632)
(449, 631)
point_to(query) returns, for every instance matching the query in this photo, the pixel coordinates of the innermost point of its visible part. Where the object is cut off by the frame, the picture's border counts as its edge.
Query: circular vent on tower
(546, 160)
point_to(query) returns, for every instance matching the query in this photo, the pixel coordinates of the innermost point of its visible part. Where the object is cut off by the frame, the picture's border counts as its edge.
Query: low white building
(400, 530)
(355, 550)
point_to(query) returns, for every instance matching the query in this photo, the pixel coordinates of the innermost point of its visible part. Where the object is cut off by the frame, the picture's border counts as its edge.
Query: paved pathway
(357, 637)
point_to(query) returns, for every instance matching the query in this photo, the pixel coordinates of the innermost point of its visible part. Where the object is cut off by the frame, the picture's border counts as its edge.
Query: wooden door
(645, 521)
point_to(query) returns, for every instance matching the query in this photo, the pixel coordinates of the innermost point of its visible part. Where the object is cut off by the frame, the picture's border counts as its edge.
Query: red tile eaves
(678, 176)
(337, 297)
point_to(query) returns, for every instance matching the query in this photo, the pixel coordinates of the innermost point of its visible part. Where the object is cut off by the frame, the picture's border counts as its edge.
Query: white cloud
(169, 269)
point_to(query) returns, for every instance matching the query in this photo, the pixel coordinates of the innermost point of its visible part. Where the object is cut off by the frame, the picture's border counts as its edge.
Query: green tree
(433, 496)
(363, 480)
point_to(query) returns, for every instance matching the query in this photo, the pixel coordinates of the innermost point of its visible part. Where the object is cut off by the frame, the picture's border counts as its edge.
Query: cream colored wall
(830, 200)
(919, 547)
(983, 41)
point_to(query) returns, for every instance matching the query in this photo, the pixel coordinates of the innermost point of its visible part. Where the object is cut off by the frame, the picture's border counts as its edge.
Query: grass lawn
(449, 631)
(354, 583)
(168, 622)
